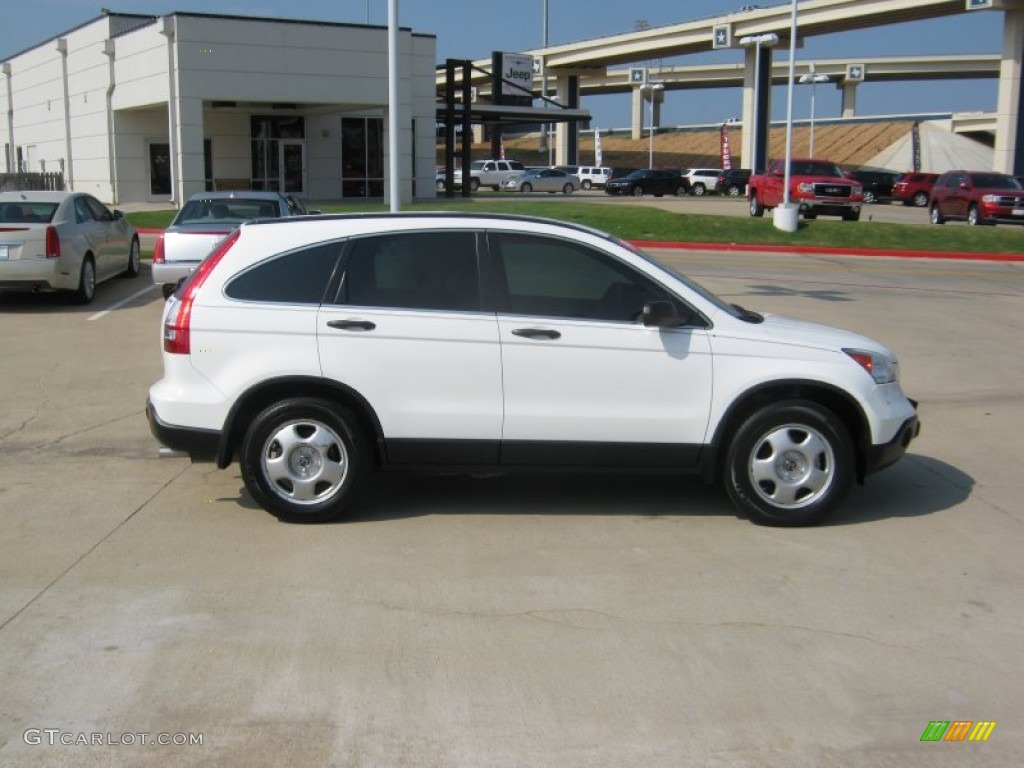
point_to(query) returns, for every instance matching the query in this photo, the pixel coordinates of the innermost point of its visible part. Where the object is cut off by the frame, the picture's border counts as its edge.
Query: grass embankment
(637, 222)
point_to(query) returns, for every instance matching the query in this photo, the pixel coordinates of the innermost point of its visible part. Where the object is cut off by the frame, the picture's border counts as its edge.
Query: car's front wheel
(526, 187)
(568, 189)
(638, 191)
(790, 463)
(920, 199)
(974, 217)
(303, 459)
(756, 209)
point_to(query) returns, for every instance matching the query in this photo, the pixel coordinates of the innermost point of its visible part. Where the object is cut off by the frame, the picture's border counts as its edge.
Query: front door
(292, 167)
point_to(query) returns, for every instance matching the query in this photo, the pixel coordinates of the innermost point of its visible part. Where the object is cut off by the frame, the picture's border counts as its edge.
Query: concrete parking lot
(510, 620)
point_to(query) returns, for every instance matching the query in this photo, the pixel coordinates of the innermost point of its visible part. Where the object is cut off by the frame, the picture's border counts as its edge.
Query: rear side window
(299, 277)
(413, 270)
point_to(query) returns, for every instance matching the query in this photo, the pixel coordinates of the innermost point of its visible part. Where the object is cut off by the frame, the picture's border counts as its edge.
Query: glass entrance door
(292, 167)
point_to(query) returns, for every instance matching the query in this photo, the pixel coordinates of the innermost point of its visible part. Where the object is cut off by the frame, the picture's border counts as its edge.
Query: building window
(362, 157)
(159, 168)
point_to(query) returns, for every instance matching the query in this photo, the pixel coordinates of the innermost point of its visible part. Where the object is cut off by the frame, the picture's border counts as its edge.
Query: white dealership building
(135, 108)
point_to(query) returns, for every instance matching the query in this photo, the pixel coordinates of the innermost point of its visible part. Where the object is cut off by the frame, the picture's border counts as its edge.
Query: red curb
(818, 250)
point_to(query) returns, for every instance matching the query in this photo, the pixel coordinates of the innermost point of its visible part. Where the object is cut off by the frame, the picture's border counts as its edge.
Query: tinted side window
(99, 210)
(558, 278)
(415, 270)
(299, 277)
(82, 211)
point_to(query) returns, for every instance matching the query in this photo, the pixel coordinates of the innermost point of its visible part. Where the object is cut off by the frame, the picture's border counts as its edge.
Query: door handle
(537, 333)
(352, 325)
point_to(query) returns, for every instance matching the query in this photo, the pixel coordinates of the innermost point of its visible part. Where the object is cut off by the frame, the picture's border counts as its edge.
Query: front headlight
(805, 188)
(990, 198)
(854, 191)
(882, 368)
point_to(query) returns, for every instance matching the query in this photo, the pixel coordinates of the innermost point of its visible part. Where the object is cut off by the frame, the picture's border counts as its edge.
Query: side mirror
(118, 214)
(661, 314)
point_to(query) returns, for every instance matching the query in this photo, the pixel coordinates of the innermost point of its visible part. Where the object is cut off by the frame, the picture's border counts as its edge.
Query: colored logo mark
(958, 730)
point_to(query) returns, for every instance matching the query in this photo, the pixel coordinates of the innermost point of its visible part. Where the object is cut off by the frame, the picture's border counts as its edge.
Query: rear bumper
(200, 444)
(170, 273)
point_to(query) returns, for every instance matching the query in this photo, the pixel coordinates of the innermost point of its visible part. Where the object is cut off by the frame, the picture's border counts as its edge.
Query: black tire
(440, 185)
(526, 187)
(638, 191)
(568, 189)
(586, 184)
(852, 215)
(86, 290)
(474, 185)
(680, 191)
(974, 218)
(870, 197)
(810, 215)
(134, 264)
(734, 190)
(935, 215)
(756, 209)
(334, 464)
(699, 189)
(920, 199)
(789, 464)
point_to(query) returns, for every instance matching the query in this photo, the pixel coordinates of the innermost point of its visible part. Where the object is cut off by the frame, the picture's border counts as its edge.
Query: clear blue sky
(474, 28)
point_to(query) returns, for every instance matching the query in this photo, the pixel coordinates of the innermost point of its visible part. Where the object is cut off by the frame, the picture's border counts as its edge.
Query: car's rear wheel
(474, 185)
(699, 189)
(680, 191)
(756, 209)
(526, 187)
(870, 197)
(790, 463)
(303, 459)
(920, 199)
(86, 290)
(567, 189)
(935, 215)
(734, 190)
(586, 184)
(133, 260)
(852, 215)
(810, 215)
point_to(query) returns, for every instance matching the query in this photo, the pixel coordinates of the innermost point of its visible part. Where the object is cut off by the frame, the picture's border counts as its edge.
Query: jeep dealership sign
(513, 78)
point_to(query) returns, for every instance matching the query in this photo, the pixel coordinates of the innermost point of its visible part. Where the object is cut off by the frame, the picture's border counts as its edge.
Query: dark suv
(657, 182)
(977, 197)
(733, 182)
(877, 183)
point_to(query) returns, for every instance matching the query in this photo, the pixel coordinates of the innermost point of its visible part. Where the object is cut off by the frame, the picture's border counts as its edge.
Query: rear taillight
(177, 328)
(158, 249)
(52, 243)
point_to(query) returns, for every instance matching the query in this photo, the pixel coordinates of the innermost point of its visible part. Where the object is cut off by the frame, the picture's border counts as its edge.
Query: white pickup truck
(489, 173)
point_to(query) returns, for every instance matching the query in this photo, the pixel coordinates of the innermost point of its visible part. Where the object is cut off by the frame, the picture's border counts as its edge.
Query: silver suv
(702, 181)
(314, 350)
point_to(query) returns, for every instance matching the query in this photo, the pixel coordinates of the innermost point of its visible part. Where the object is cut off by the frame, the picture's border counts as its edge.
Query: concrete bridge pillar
(757, 107)
(1008, 157)
(849, 90)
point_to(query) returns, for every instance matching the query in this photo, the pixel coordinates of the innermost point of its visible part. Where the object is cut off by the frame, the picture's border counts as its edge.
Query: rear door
(407, 332)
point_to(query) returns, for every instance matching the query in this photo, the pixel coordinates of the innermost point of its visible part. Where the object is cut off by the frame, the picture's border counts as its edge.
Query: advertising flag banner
(915, 147)
(726, 151)
(597, 146)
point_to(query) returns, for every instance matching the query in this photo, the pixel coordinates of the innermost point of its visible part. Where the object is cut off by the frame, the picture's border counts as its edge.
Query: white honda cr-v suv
(315, 350)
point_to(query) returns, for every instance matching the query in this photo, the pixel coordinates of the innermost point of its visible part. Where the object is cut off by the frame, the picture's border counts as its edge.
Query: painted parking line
(121, 303)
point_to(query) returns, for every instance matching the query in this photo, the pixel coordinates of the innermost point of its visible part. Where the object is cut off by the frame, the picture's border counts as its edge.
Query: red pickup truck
(817, 186)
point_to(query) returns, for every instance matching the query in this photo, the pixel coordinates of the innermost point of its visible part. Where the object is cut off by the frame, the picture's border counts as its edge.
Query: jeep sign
(517, 74)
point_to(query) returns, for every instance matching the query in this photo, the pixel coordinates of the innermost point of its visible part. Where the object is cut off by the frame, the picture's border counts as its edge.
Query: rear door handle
(352, 325)
(537, 333)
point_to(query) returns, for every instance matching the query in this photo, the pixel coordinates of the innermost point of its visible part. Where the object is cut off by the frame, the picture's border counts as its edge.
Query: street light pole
(786, 216)
(653, 88)
(813, 79)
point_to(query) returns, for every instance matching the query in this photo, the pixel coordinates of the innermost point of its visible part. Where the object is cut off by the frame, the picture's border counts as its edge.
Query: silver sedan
(542, 180)
(63, 241)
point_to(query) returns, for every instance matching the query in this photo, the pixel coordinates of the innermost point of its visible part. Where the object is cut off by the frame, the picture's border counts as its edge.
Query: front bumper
(878, 457)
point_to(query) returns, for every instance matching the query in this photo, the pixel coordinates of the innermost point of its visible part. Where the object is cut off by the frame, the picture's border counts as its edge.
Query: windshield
(232, 209)
(815, 168)
(27, 212)
(995, 181)
(638, 174)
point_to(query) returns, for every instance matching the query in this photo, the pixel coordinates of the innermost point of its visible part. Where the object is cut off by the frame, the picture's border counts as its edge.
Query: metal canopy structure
(464, 112)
